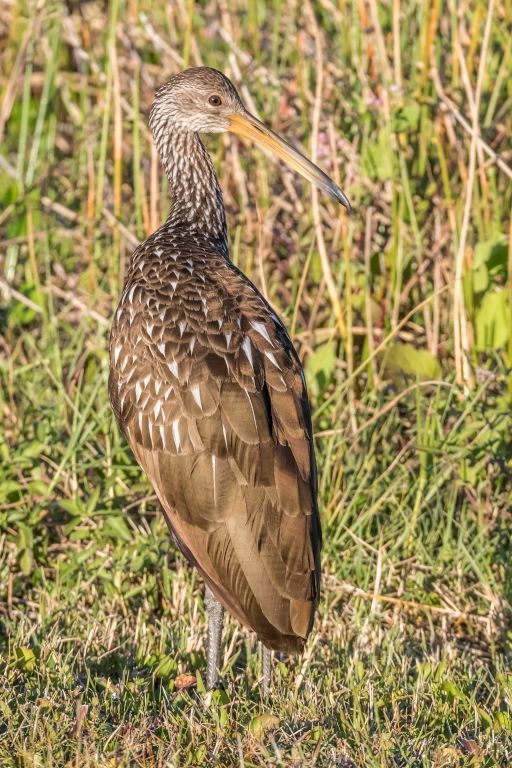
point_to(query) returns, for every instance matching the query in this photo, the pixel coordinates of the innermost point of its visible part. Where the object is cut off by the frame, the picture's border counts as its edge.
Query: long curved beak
(249, 127)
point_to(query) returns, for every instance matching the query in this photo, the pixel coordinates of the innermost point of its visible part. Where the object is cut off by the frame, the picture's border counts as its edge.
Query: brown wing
(211, 396)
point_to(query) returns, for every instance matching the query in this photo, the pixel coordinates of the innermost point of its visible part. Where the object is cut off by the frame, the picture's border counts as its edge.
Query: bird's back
(210, 394)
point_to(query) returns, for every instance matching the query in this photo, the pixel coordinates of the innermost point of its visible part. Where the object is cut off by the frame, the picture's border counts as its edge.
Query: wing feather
(214, 405)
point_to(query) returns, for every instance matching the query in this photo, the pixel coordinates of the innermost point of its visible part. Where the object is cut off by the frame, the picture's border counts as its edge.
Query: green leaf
(200, 754)
(24, 658)
(492, 321)
(77, 532)
(6, 710)
(25, 536)
(404, 360)
(320, 365)
(10, 490)
(485, 718)
(493, 253)
(116, 528)
(26, 561)
(165, 668)
(45, 703)
(220, 697)
(72, 506)
(315, 733)
(20, 314)
(377, 157)
(201, 687)
(453, 691)
(502, 721)
(406, 118)
(263, 723)
(480, 279)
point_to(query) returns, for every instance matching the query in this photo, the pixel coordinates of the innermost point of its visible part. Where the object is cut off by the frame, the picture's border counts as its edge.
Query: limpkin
(209, 391)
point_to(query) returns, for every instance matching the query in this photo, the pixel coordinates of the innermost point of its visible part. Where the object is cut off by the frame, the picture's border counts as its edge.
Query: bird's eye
(215, 100)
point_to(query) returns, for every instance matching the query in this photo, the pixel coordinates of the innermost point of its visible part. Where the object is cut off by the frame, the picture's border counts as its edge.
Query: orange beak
(249, 127)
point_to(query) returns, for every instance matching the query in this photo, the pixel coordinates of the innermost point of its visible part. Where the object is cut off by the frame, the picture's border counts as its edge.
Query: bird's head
(200, 99)
(203, 100)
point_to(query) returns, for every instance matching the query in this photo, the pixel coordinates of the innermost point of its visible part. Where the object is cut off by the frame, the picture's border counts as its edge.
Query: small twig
(324, 258)
(8, 291)
(158, 42)
(394, 332)
(388, 407)
(367, 292)
(461, 347)
(306, 661)
(75, 301)
(31, 33)
(129, 236)
(411, 604)
(452, 108)
(380, 44)
(81, 714)
(241, 761)
(300, 290)
(262, 236)
(4, 215)
(66, 213)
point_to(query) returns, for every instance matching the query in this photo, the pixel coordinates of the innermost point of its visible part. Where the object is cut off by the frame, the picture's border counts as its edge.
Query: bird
(209, 391)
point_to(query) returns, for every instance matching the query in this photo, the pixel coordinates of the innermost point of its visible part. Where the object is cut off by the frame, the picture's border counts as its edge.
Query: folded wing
(212, 399)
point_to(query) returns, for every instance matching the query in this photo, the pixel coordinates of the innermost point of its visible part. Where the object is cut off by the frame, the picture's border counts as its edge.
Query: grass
(401, 314)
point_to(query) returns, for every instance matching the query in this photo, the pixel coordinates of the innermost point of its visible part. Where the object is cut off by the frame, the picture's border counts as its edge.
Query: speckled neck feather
(196, 198)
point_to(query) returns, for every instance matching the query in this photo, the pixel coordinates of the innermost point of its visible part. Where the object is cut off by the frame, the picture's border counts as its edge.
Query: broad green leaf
(26, 562)
(480, 279)
(377, 157)
(116, 527)
(200, 754)
(10, 490)
(25, 536)
(72, 506)
(493, 253)
(315, 267)
(485, 718)
(452, 690)
(492, 321)
(404, 360)
(77, 532)
(6, 710)
(263, 723)
(165, 668)
(20, 314)
(201, 687)
(32, 449)
(320, 365)
(502, 721)
(406, 118)
(24, 658)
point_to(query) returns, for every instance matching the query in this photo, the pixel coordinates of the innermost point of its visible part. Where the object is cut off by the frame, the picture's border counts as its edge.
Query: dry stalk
(463, 371)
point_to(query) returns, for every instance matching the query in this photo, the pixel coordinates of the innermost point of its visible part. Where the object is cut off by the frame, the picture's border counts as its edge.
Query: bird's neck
(197, 206)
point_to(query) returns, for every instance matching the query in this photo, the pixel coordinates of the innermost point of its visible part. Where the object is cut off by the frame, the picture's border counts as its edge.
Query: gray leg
(215, 619)
(267, 670)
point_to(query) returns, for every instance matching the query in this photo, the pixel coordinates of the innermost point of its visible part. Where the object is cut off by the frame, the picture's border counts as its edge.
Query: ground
(401, 314)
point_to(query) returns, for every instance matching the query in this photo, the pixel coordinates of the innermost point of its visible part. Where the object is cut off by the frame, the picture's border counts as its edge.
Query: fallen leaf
(472, 747)
(184, 681)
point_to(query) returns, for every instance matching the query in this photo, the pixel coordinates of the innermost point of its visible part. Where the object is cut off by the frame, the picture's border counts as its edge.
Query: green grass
(409, 660)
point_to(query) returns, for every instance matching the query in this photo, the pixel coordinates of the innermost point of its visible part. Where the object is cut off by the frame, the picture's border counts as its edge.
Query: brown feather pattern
(209, 391)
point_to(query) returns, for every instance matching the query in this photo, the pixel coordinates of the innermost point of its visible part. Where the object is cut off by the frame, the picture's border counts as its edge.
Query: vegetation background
(401, 313)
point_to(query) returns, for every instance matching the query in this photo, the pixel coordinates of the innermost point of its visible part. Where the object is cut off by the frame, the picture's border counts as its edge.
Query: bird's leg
(267, 670)
(215, 613)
